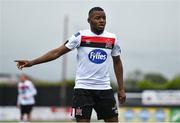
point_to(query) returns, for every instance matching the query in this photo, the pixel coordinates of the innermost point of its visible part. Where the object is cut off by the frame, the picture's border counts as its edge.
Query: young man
(92, 85)
(25, 99)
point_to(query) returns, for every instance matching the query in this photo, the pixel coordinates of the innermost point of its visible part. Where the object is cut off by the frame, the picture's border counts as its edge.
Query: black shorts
(102, 101)
(26, 109)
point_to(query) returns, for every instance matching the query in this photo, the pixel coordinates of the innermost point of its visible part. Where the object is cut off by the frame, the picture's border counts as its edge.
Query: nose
(102, 20)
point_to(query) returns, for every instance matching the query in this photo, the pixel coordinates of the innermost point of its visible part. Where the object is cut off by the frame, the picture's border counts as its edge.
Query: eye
(97, 17)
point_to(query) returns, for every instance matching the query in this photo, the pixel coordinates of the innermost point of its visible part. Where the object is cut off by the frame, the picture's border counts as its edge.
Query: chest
(23, 88)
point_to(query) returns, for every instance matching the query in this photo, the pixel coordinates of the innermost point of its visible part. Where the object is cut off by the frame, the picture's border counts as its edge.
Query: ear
(88, 20)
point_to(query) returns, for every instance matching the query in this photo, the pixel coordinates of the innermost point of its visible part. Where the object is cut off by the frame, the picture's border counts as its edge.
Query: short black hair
(95, 9)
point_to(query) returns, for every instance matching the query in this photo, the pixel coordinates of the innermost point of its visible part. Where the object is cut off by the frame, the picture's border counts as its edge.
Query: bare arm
(118, 69)
(49, 56)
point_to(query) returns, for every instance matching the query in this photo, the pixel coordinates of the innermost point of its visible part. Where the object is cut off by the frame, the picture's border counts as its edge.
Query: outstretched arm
(118, 69)
(49, 56)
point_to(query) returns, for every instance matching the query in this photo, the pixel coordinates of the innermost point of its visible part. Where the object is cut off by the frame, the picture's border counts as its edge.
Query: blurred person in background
(25, 99)
(92, 89)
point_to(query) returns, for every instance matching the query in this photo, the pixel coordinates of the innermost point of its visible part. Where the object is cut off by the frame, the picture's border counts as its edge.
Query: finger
(21, 67)
(17, 61)
(122, 99)
(18, 65)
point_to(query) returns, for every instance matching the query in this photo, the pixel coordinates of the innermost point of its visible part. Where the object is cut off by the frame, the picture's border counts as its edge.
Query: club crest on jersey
(109, 44)
(97, 56)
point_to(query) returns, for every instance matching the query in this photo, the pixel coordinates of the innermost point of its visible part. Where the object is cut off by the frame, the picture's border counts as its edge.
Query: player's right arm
(49, 56)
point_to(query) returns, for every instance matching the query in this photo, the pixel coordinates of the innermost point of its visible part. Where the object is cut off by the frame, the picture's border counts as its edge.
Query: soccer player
(95, 47)
(25, 99)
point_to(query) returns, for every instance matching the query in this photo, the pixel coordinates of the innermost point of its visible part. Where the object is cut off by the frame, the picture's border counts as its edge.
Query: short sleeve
(116, 49)
(74, 41)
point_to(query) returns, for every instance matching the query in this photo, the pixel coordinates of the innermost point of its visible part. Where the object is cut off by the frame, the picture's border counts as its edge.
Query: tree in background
(174, 83)
(140, 81)
(132, 80)
(155, 77)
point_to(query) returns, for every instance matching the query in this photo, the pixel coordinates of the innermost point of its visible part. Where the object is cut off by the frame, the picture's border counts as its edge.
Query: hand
(23, 63)
(121, 96)
(25, 97)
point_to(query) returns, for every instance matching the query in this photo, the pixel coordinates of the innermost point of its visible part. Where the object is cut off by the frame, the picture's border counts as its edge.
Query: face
(22, 78)
(97, 21)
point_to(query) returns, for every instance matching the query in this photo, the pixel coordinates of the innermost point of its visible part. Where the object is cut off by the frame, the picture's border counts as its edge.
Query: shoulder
(85, 32)
(113, 35)
(78, 34)
(81, 32)
(19, 83)
(28, 82)
(109, 34)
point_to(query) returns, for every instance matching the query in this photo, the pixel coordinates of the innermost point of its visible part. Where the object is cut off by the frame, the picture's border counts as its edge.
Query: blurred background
(150, 41)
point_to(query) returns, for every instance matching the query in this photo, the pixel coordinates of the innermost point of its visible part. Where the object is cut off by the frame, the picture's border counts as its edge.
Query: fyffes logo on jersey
(97, 56)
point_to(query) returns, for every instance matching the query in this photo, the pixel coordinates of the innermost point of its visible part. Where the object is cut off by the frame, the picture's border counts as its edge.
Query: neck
(97, 32)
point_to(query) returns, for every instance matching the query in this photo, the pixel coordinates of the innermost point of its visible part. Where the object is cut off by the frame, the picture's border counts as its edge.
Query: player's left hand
(121, 96)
